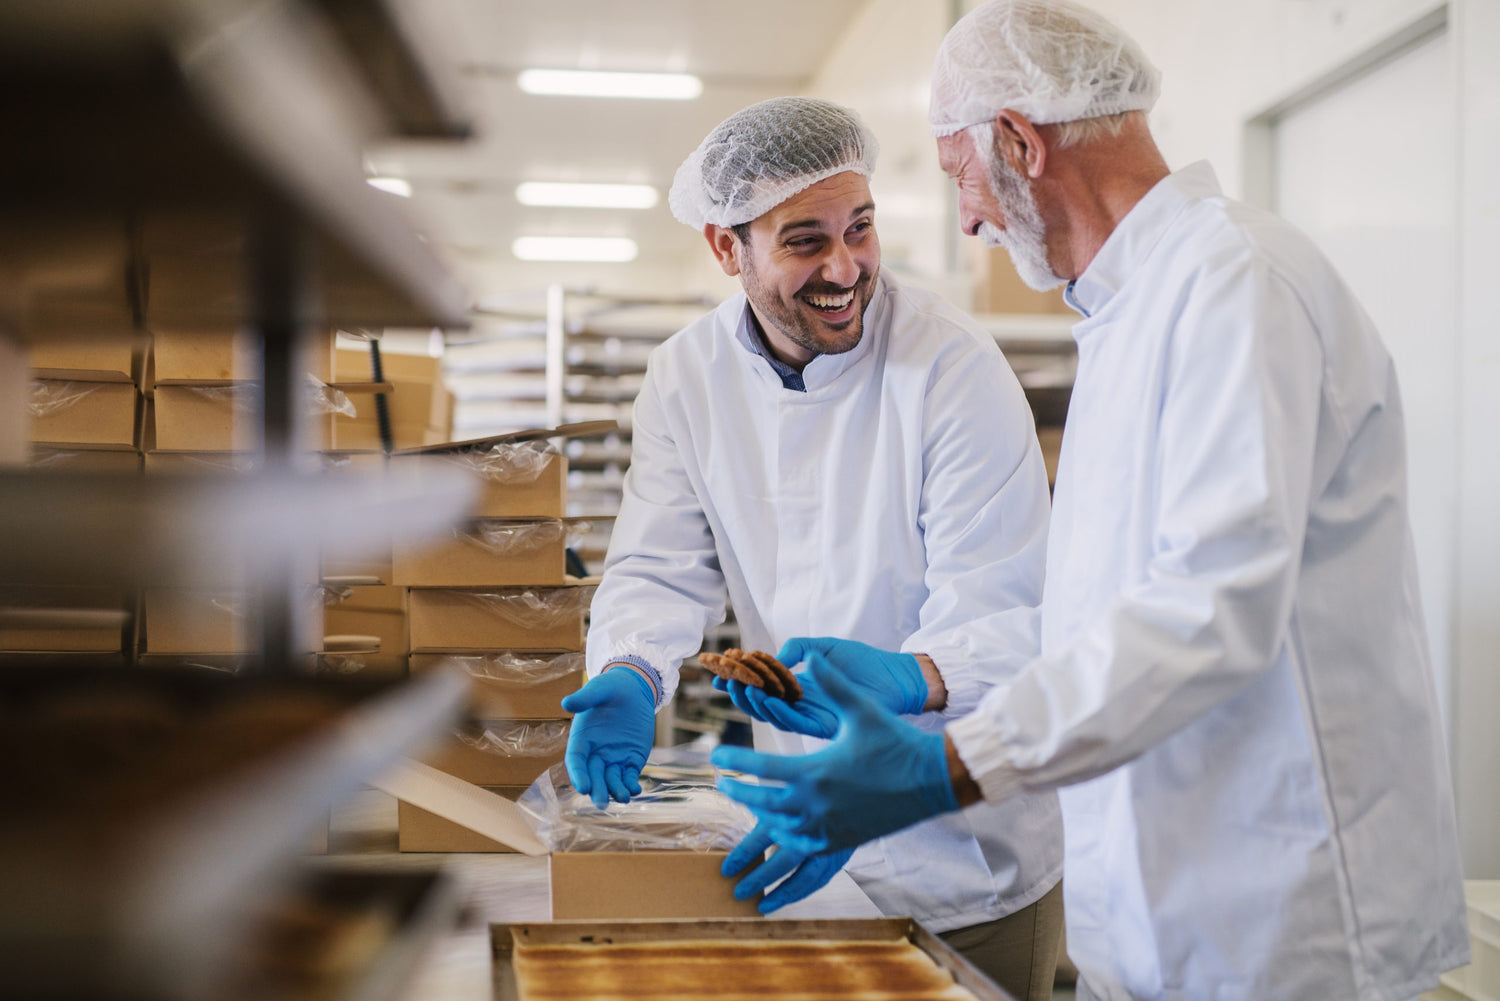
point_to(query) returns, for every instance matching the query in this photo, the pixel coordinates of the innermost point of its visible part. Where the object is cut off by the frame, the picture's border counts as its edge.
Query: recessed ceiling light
(395, 185)
(587, 83)
(591, 196)
(574, 248)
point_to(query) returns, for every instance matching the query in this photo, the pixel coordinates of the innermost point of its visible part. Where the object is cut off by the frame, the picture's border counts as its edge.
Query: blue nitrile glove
(894, 680)
(804, 873)
(879, 775)
(614, 726)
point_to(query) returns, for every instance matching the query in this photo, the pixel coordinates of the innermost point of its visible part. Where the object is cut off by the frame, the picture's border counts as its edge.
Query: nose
(839, 267)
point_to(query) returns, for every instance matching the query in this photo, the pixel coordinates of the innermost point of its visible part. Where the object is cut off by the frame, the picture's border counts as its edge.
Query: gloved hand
(894, 680)
(879, 775)
(804, 873)
(614, 726)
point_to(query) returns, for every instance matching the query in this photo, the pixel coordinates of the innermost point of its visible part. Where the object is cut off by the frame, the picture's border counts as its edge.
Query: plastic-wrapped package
(519, 668)
(678, 810)
(508, 462)
(517, 738)
(540, 608)
(48, 397)
(509, 538)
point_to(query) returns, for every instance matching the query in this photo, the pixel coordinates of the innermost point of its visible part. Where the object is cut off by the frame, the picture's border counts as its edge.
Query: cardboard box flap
(466, 804)
(578, 430)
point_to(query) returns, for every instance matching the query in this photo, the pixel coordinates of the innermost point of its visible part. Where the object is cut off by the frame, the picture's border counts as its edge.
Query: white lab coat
(1234, 666)
(902, 496)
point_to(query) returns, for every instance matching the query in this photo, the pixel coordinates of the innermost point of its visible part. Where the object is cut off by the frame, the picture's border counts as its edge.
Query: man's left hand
(879, 775)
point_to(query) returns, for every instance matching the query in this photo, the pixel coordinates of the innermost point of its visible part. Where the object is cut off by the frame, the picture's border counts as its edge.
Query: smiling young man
(840, 456)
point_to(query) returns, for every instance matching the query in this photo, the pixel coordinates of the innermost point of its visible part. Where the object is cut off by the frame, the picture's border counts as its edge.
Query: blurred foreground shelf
(150, 812)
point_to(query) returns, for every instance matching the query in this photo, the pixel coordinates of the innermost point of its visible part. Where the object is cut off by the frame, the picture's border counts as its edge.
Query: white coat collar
(1127, 247)
(823, 370)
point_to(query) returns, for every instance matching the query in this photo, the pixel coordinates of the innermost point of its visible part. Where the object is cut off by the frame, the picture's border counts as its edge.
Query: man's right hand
(894, 680)
(614, 726)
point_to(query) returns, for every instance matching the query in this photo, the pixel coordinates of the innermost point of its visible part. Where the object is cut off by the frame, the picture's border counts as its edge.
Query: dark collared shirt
(790, 377)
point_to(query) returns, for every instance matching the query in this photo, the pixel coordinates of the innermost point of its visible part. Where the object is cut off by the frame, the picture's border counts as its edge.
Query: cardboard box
(372, 611)
(117, 359)
(362, 434)
(186, 620)
(201, 463)
(85, 461)
(443, 619)
(207, 355)
(1000, 290)
(492, 698)
(97, 414)
(221, 418)
(485, 553)
(417, 830)
(483, 766)
(63, 619)
(598, 885)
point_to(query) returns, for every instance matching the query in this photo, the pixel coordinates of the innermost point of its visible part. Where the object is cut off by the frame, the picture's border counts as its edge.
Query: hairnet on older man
(759, 157)
(1050, 60)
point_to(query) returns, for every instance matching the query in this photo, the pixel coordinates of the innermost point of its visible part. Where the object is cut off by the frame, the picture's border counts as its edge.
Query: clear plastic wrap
(49, 396)
(678, 810)
(542, 608)
(519, 668)
(508, 462)
(520, 738)
(324, 399)
(511, 538)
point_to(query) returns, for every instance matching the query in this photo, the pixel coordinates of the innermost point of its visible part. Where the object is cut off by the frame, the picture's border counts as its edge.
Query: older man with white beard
(1233, 694)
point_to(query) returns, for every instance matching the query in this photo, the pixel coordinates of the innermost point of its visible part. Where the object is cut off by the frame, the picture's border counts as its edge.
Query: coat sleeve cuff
(980, 744)
(651, 673)
(962, 677)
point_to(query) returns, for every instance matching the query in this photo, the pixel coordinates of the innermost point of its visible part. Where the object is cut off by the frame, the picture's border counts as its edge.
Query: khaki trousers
(1019, 951)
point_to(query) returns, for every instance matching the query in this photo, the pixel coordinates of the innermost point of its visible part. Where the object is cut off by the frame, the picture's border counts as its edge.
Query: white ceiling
(463, 194)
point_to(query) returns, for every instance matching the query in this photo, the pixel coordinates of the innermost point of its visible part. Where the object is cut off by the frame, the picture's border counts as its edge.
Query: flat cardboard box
(607, 885)
(85, 461)
(441, 619)
(486, 553)
(222, 418)
(373, 611)
(97, 414)
(117, 359)
(187, 620)
(491, 698)
(201, 463)
(218, 418)
(483, 768)
(362, 434)
(417, 830)
(209, 355)
(63, 619)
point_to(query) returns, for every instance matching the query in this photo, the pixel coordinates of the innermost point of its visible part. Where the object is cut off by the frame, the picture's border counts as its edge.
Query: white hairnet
(1050, 60)
(759, 157)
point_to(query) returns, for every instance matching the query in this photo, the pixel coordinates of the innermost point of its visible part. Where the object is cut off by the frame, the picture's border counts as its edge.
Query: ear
(1019, 142)
(725, 246)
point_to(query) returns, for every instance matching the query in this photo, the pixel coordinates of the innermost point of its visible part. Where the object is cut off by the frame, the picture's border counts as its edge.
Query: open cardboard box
(585, 885)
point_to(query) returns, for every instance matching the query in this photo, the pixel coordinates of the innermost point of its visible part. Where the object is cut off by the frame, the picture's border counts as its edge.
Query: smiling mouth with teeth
(830, 303)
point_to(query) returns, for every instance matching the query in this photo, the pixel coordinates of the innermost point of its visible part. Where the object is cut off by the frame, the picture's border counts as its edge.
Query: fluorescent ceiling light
(395, 185)
(574, 248)
(589, 196)
(586, 83)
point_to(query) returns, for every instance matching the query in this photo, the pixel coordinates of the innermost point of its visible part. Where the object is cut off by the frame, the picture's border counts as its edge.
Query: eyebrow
(815, 223)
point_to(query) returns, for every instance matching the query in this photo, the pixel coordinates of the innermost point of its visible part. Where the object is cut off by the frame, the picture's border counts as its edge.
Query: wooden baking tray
(504, 938)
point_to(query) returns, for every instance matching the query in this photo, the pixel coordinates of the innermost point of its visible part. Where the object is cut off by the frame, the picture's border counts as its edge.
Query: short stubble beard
(792, 324)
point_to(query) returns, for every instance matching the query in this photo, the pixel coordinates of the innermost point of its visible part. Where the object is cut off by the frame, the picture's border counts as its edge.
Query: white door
(1369, 170)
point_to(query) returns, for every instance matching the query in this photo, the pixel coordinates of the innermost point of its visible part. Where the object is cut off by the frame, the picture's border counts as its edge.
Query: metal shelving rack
(224, 136)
